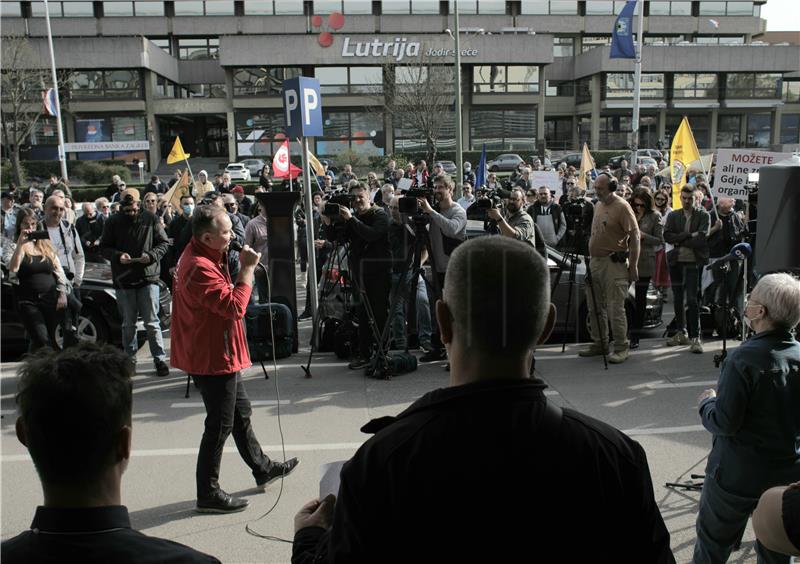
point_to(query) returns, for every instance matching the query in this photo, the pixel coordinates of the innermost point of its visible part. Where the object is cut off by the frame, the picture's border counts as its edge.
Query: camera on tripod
(331, 208)
(489, 199)
(408, 204)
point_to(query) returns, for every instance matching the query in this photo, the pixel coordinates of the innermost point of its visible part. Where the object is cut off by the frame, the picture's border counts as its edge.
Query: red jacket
(207, 311)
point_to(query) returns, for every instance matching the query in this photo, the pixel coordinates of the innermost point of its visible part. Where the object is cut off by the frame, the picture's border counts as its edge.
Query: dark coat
(675, 234)
(135, 236)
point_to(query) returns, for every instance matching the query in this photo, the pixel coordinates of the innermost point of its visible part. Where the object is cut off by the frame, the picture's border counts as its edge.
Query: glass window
(695, 86)
(757, 10)
(753, 85)
(128, 128)
(791, 91)
(149, 8)
(198, 49)
(396, 7)
(733, 40)
(563, 8)
(189, 8)
(535, 7)
(583, 90)
(357, 7)
(464, 7)
(86, 83)
(680, 8)
(491, 6)
(111, 9)
(712, 8)
(620, 85)
(332, 80)
(503, 130)
(10, 9)
(740, 8)
(659, 8)
(500, 78)
(556, 88)
(563, 46)
(790, 129)
(327, 6)
(219, 7)
(758, 130)
(592, 41)
(289, 7)
(78, 9)
(37, 9)
(257, 7)
(165, 44)
(424, 6)
(700, 125)
(366, 79)
(123, 83)
(729, 129)
(599, 8)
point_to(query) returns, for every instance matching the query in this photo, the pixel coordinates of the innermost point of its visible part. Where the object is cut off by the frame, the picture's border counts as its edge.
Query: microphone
(740, 251)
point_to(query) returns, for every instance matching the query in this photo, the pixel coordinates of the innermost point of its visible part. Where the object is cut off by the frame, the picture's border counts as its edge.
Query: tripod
(720, 358)
(600, 329)
(422, 242)
(570, 258)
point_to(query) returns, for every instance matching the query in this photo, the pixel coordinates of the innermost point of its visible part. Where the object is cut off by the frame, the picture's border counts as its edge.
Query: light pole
(62, 155)
(459, 139)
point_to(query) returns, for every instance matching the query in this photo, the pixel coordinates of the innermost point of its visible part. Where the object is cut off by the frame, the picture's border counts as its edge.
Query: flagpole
(637, 86)
(62, 156)
(191, 176)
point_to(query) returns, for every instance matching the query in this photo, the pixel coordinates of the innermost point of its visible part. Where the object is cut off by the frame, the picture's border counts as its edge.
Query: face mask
(188, 209)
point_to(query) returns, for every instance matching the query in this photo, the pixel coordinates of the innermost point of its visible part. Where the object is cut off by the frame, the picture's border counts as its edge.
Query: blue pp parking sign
(302, 107)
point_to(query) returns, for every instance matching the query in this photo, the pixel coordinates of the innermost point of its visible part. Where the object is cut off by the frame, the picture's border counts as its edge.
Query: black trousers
(377, 283)
(227, 411)
(640, 289)
(39, 320)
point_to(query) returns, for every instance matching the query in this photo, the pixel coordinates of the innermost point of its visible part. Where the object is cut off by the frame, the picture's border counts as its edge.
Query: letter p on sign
(302, 107)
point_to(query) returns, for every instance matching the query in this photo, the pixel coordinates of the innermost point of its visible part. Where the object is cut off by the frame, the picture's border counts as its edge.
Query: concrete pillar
(712, 133)
(150, 83)
(743, 130)
(466, 106)
(232, 149)
(540, 107)
(662, 124)
(596, 88)
(775, 137)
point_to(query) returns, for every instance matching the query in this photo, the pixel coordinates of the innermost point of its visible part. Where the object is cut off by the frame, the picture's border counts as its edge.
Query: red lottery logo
(335, 22)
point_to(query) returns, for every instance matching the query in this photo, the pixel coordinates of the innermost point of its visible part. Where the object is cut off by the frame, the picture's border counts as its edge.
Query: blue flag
(480, 174)
(622, 35)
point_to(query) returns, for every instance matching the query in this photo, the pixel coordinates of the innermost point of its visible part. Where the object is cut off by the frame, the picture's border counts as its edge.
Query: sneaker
(358, 363)
(677, 339)
(276, 470)
(696, 346)
(434, 356)
(162, 368)
(593, 350)
(634, 343)
(618, 357)
(220, 502)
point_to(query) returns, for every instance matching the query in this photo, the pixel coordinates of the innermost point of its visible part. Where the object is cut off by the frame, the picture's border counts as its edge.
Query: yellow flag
(315, 164)
(178, 191)
(682, 153)
(177, 154)
(587, 164)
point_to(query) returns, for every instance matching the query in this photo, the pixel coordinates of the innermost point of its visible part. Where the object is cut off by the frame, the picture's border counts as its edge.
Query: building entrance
(201, 135)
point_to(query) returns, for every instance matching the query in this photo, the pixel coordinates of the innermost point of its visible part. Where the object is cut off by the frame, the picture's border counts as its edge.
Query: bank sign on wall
(399, 49)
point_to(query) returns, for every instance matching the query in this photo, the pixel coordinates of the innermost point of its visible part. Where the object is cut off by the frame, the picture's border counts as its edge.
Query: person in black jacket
(370, 262)
(90, 230)
(134, 241)
(405, 496)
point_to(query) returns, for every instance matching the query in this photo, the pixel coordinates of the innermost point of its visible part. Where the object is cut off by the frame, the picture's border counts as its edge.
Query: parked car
(644, 156)
(254, 166)
(575, 323)
(572, 159)
(99, 321)
(448, 166)
(238, 171)
(506, 161)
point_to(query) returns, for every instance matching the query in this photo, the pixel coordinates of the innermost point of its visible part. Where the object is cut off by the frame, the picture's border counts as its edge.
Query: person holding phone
(41, 288)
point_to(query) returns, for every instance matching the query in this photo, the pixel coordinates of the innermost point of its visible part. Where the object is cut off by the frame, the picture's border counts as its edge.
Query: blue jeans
(398, 322)
(144, 301)
(721, 521)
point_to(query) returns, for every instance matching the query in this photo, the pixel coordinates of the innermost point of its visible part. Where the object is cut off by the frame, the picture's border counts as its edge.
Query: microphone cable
(247, 527)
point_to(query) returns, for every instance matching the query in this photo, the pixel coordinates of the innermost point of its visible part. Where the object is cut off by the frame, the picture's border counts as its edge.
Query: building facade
(211, 72)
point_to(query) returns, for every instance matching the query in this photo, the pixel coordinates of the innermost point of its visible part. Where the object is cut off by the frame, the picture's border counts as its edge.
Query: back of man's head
(498, 292)
(72, 408)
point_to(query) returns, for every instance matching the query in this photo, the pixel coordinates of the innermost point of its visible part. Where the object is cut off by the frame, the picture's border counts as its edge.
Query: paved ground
(652, 397)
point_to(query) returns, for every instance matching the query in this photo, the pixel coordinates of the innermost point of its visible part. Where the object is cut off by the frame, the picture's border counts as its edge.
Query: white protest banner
(733, 166)
(547, 178)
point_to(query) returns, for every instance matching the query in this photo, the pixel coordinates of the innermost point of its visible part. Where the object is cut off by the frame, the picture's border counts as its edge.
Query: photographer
(518, 225)
(448, 228)
(370, 263)
(578, 214)
(614, 249)
(548, 216)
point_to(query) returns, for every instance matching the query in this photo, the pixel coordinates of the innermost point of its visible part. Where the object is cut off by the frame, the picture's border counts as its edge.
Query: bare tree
(419, 96)
(23, 78)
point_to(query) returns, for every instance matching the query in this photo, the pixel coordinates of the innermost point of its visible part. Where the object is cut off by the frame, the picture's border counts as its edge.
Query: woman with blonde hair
(41, 289)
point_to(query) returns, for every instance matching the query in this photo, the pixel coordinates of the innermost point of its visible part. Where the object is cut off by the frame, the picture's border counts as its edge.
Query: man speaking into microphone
(208, 342)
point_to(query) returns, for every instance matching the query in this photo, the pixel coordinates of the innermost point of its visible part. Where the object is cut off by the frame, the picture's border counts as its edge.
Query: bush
(7, 172)
(359, 161)
(92, 172)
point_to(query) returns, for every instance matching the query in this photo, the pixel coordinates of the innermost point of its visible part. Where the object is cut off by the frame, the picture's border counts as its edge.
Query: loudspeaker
(777, 247)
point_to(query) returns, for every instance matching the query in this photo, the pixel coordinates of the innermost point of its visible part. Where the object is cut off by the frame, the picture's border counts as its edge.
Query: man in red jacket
(208, 342)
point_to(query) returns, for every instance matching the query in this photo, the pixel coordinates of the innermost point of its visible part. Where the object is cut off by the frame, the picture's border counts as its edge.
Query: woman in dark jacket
(264, 179)
(651, 233)
(41, 291)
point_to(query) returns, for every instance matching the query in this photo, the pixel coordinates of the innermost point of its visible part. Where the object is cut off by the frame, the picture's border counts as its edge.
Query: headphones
(612, 181)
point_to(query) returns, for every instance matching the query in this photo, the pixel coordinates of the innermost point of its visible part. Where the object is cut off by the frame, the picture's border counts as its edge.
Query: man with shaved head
(487, 469)
(90, 229)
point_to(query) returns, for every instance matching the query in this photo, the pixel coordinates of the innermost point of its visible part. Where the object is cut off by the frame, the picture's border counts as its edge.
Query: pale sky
(781, 15)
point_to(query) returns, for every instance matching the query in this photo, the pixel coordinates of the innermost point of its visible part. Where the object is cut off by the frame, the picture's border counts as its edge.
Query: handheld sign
(302, 107)
(734, 167)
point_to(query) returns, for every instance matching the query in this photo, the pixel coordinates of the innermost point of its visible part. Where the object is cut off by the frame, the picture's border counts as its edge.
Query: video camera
(331, 208)
(408, 203)
(487, 199)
